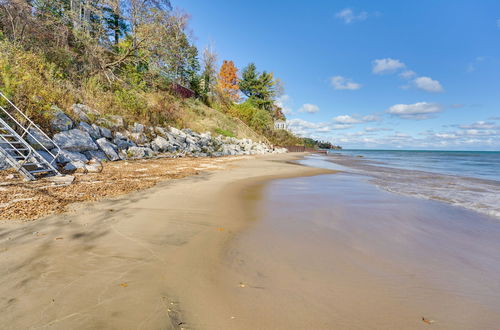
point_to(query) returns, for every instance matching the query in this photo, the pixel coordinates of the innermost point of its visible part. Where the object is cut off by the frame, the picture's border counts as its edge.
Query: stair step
(40, 171)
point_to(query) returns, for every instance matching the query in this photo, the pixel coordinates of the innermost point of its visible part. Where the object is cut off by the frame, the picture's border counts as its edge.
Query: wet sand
(141, 261)
(335, 252)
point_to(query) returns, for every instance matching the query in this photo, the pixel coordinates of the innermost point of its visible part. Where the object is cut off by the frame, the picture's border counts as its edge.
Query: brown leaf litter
(22, 200)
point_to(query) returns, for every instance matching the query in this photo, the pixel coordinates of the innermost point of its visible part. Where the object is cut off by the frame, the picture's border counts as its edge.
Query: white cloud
(349, 16)
(417, 111)
(408, 74)
(377, 129)
(309, 108)
(480, 125)
(341, 83)
(387, 65)
(347, 119)
(282, 102)
(498, 23)
(428, 84)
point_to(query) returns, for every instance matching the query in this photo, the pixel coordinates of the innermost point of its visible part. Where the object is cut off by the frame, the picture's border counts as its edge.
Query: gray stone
(93, 131)
(138, 128)
(109, 149)
(60, 122)
(73, 166)
(160, 144)
(123, 144)
(139, 152)
(114, 122)
(47, 156)
(120, 135)
(96, 154)
(94, 167)
(84, 113)
(75, 140)
(3, 163)
(139, 138)
(106, 132)
(38, 140)
(66, 156)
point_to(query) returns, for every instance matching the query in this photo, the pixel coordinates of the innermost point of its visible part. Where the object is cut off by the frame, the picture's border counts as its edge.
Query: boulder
(75, 140)
(60, 122)
(73, 166)
(139, 152)
(66, 156)
(112, 121)
(3, 163)
(96, 155)
(38, 140)
(94, 166)
(84, 113)
(48, 157)
(106, 132)
(138, 138)
(93, 130)
(138, 128)
(160, 144)
(123, 144)
(109, 149)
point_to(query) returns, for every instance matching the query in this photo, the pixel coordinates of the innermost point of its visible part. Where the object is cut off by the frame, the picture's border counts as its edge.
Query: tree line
(140, 43)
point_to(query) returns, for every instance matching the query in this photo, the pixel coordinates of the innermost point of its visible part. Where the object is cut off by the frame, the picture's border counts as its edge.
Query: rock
(161, 131)
(121, 136)
(123, 144)
(38, 140)
(94, 167)
(95, 154)
(73, 166)
(75, 140)
(84, 113)
(139, 138)
(113, 122)
(139, 152)
(138, 128)
(160, 144)
(66, 156)
(48, 157)
(109, 149)
(106, 132)
(60, 122)
(3, 163)
(93, 130)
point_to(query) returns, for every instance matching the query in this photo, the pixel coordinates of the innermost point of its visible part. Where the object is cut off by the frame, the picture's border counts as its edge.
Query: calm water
(474, 164)
(469, 179)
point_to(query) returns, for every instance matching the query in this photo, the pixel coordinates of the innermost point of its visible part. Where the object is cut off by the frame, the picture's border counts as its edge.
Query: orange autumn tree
(227, 80)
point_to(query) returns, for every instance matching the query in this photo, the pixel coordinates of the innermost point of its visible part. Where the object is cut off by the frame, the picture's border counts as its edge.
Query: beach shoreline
(139, 260)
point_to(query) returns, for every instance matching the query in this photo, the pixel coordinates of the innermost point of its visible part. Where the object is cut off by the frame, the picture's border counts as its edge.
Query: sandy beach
(266, 243)
(142, 260)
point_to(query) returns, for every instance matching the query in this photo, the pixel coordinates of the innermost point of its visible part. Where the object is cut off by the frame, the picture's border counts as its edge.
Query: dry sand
(147, 260)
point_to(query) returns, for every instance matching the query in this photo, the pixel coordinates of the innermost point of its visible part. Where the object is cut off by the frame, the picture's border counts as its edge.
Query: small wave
(476, 194)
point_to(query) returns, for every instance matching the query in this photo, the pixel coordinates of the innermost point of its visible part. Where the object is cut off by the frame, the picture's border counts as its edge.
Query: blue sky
(370, 74)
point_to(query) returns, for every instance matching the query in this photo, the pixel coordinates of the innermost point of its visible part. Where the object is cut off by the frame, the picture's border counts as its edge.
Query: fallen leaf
(242, 285)
(58, 238)
(124, 285)
(427, 321)
(221, 229)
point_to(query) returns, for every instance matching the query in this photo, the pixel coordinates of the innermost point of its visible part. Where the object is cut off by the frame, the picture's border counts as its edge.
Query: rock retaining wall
(95, 138)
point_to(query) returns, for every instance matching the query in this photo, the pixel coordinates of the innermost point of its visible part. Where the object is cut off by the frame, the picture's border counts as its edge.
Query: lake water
(469, 179)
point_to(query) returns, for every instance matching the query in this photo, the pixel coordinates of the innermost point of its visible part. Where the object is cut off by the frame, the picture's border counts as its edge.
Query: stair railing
(25, 130)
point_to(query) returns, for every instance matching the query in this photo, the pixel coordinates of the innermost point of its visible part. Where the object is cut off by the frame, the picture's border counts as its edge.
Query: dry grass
(20, 200)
